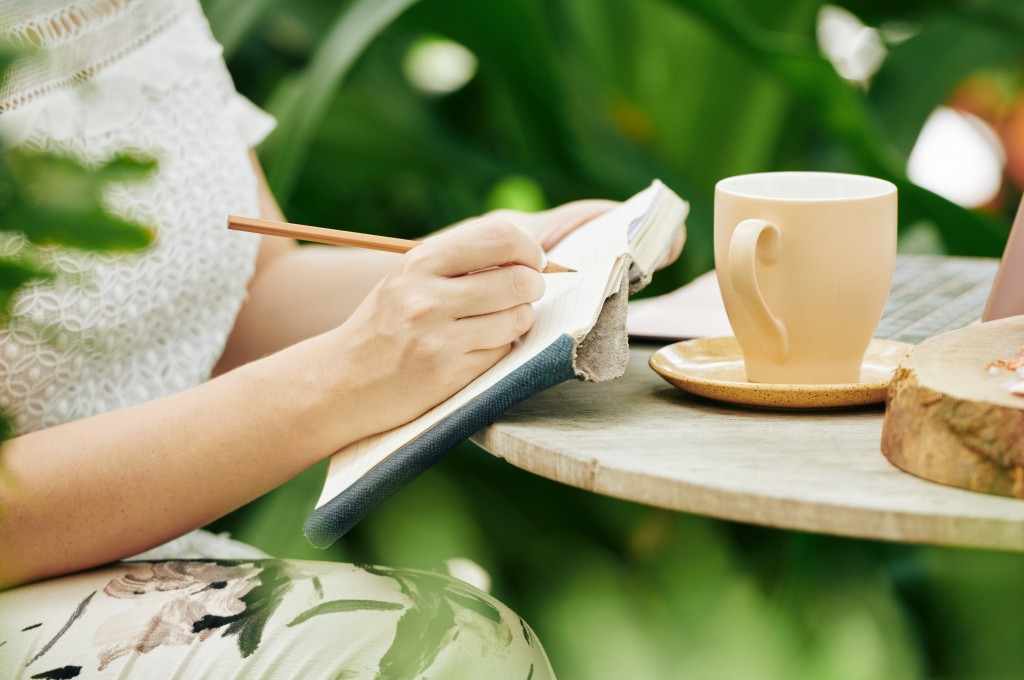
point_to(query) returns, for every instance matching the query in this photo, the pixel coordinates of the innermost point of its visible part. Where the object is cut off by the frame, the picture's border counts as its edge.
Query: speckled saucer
(713, 368)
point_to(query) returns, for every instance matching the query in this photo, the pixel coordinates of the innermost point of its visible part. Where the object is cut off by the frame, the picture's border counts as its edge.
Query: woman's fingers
(495, 330)
(481, 244)
(483, 359)
(492, 290)
(676, 249)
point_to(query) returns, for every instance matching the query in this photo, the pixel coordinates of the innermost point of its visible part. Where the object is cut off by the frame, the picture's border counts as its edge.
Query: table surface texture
(640, 439)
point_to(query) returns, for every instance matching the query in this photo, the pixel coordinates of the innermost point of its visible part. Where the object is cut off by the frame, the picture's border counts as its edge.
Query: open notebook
(579, 332)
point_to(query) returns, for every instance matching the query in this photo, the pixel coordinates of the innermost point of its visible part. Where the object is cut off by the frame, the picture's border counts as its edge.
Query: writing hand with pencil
(448, 311)
(401, 331)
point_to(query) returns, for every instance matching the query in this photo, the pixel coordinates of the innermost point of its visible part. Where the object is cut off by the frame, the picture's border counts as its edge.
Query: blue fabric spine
(332, 520)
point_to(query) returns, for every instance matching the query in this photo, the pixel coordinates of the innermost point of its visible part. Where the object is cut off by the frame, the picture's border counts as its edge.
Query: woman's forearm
(113, 485)
(303, 292)
(297, 292)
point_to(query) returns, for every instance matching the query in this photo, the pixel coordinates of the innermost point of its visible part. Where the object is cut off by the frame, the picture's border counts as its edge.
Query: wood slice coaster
(948, 420)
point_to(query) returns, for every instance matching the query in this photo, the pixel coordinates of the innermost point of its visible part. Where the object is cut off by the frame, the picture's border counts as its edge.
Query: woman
(198, 375)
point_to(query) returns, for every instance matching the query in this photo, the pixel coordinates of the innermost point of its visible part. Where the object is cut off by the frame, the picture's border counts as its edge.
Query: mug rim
(859, 187)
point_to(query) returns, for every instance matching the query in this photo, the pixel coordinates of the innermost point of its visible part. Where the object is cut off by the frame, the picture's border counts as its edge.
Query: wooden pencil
(338, 237)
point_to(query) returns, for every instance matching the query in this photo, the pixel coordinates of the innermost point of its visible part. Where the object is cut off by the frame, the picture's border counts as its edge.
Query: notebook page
(667, 214)
(571, 304)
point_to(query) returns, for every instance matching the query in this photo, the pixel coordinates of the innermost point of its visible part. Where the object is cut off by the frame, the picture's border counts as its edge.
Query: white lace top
(143, 75)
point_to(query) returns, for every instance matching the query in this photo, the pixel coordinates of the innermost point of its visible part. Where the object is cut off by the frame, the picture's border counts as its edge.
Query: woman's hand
(448, 311)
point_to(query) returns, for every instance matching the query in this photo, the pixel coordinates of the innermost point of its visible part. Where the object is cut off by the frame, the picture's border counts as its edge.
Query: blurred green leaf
(967, 600)
(60, 179)
(15, 273)
(921, 238)
(58, 201)
(89, 227)
(300, 103)
(424, 528)
(9, 54)
(6, 431)
(517, 192)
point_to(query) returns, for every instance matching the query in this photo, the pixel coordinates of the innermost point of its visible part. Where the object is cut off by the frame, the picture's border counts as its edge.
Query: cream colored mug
(805, 262)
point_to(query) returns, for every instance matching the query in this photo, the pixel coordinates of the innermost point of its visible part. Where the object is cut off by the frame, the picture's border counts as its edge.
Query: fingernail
(543, 260)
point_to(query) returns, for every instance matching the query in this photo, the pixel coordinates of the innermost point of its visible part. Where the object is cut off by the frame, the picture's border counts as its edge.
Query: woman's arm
(106, 487)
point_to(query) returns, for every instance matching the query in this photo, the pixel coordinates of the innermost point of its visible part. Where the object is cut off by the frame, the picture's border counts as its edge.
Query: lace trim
(63, 24)
(80, 42)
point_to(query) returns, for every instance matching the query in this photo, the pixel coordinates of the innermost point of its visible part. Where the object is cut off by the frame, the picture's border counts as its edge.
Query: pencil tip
(553, 268)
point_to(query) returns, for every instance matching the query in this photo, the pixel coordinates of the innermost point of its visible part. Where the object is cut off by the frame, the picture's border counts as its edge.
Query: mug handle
(750, 240)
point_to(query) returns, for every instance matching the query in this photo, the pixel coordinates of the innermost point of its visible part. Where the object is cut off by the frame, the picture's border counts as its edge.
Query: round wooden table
(641, 439)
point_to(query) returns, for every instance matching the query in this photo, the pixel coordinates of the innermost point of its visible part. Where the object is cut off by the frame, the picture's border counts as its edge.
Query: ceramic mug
(805, 263)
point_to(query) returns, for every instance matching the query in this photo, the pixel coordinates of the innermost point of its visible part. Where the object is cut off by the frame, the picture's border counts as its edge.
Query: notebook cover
(333, 519)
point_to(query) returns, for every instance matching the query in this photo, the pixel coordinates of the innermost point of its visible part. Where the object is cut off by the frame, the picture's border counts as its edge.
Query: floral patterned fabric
(255, 619)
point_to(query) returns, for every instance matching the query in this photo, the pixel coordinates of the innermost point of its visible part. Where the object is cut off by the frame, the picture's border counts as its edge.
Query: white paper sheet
(695, 310)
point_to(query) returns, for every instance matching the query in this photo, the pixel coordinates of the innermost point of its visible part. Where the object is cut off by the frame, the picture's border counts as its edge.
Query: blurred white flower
(439, 65)
(856, 50)
(958, 156)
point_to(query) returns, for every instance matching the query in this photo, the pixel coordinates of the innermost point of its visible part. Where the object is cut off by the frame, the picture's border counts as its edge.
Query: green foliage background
(584, 98)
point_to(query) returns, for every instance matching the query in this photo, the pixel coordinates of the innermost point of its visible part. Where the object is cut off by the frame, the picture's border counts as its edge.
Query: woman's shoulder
(143, 76)
(121, 50)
